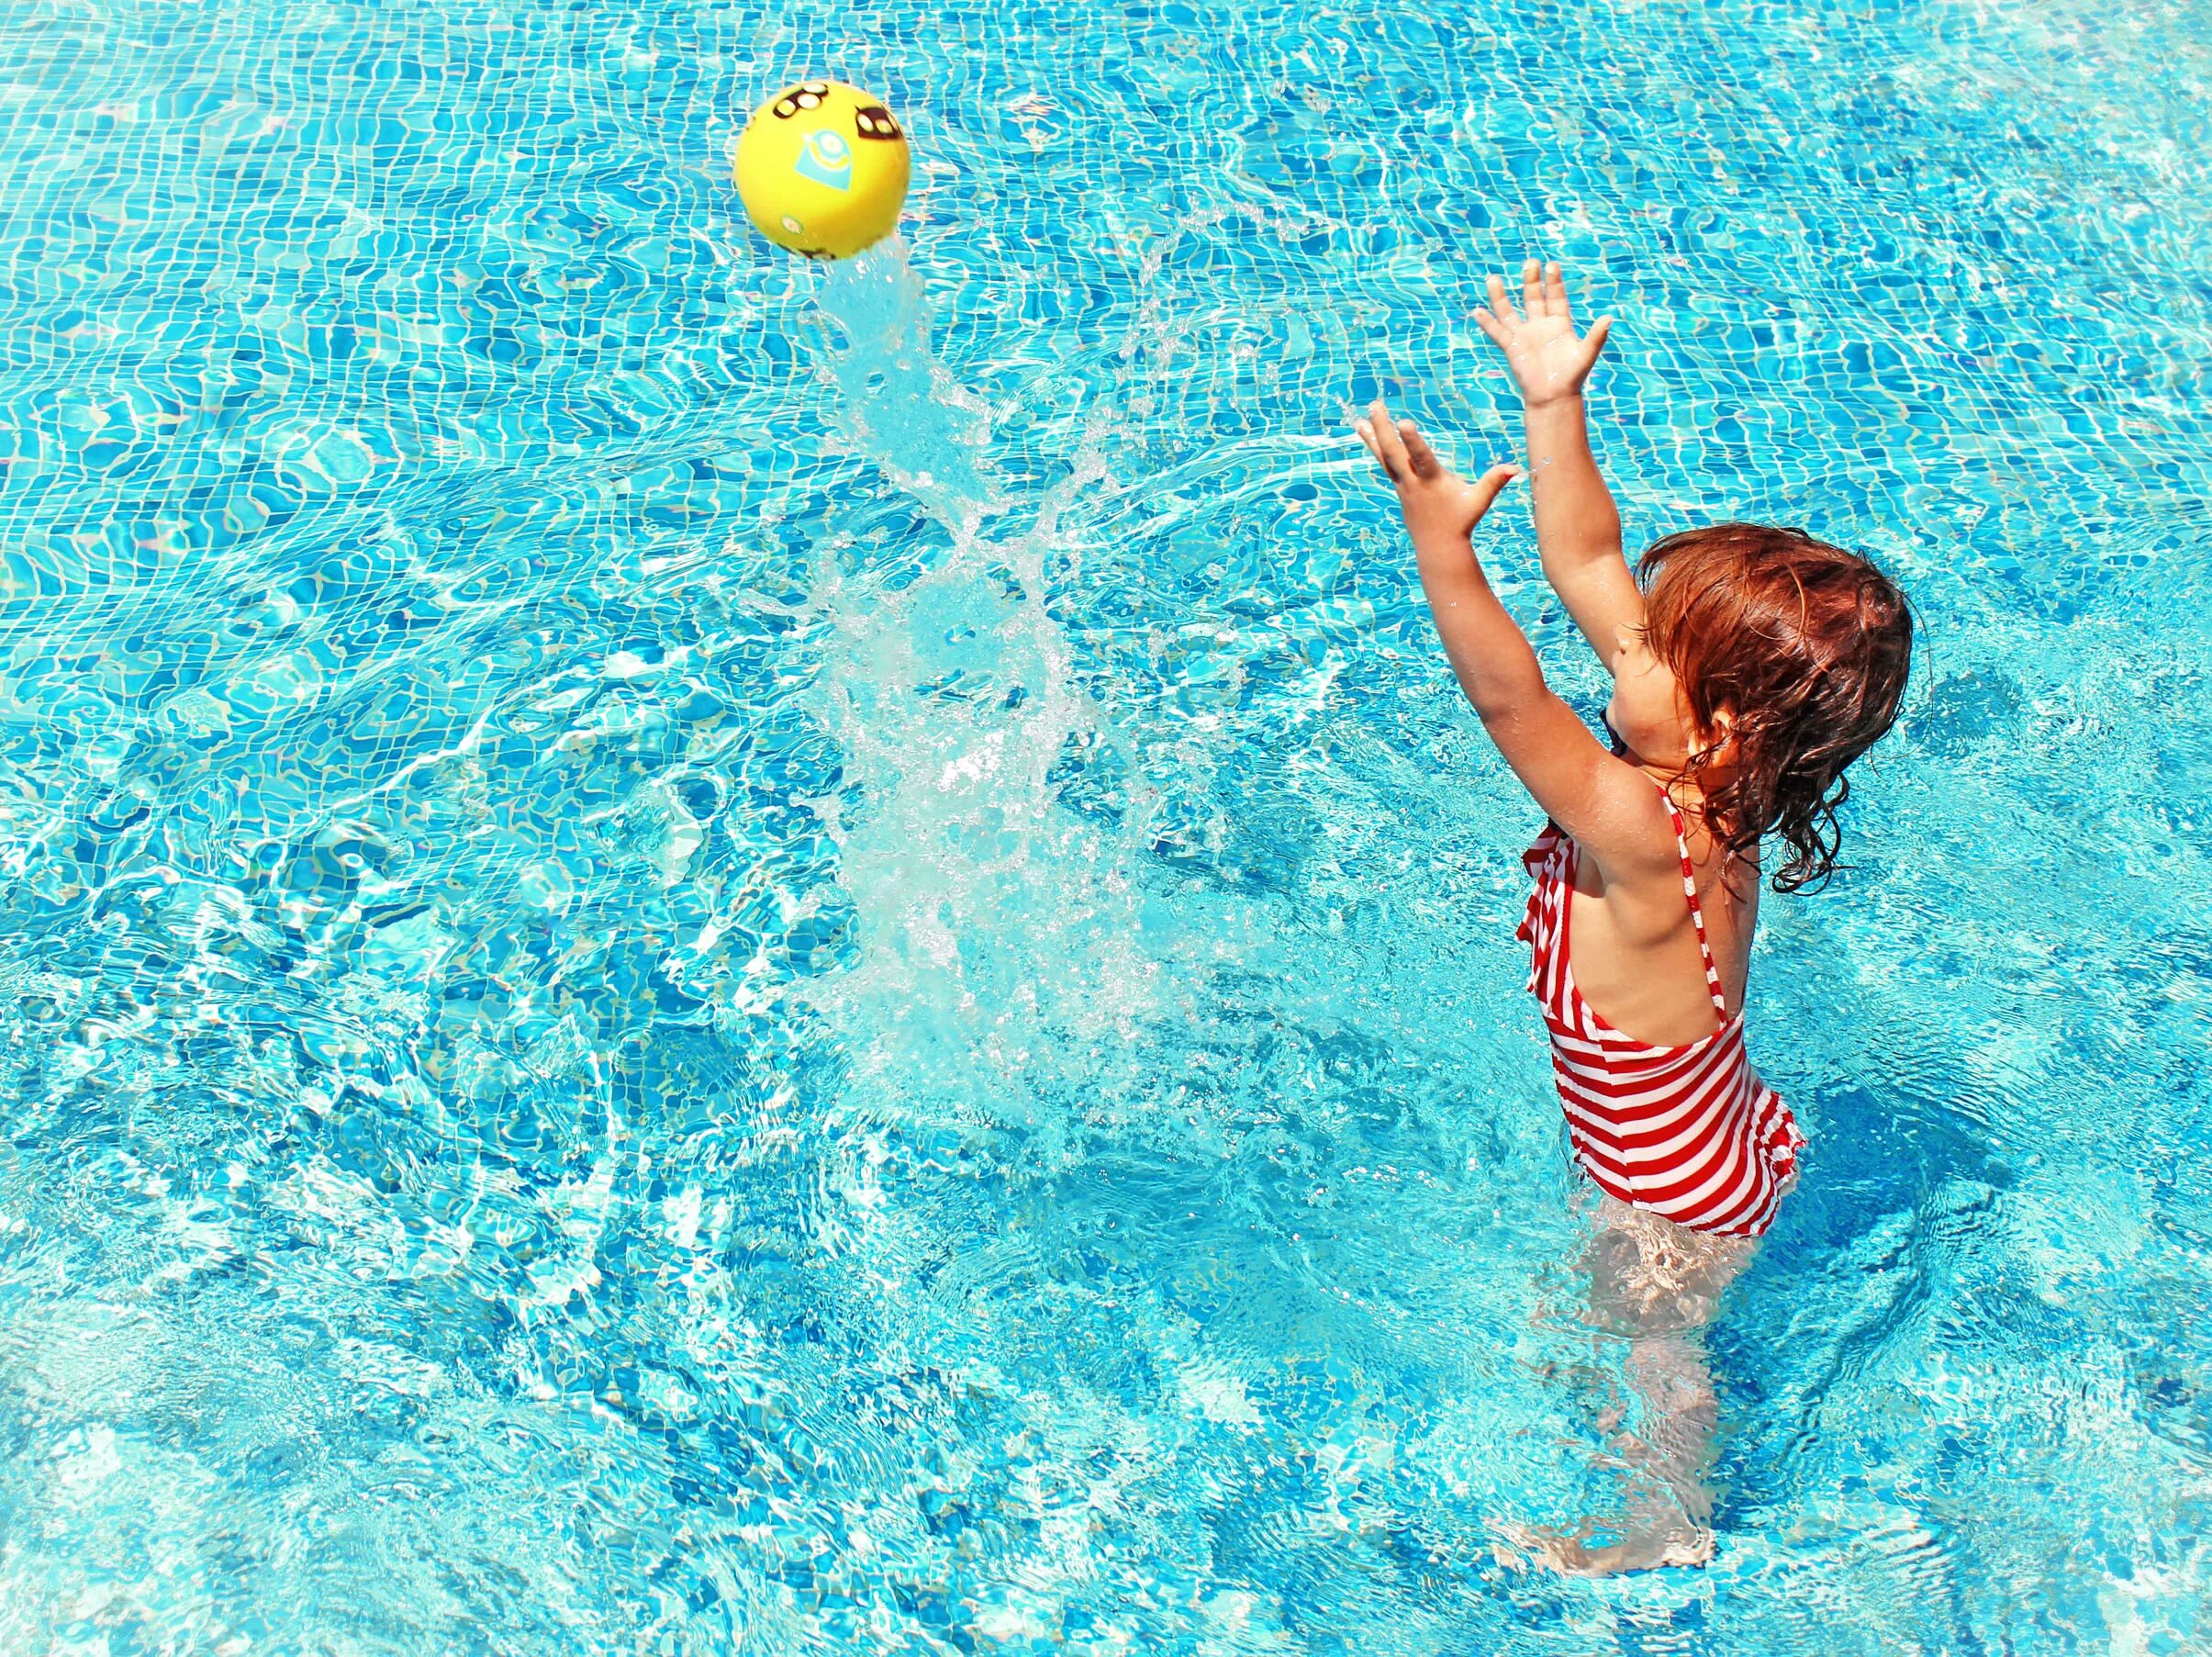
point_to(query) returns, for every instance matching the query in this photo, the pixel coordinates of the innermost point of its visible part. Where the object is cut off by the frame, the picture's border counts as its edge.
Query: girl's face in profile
(1648, 711)
(1651, 716)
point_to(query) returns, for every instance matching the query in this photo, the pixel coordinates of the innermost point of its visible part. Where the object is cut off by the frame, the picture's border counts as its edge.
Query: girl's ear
(1723, 735)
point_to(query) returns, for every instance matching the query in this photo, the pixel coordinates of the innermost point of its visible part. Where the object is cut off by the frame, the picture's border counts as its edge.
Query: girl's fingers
(1532, 289)
(1389, 447)
(1555, 293)
(1595, 339)
(1373, 439)
(1492, 328)
(1367, 442)
(1492, 484)
(1500, 305)
(1424, 458)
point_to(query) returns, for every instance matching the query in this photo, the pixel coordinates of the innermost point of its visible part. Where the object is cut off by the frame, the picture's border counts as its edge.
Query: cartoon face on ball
(826, 159)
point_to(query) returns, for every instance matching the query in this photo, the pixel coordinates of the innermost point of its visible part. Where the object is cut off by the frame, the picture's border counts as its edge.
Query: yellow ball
(821, 168)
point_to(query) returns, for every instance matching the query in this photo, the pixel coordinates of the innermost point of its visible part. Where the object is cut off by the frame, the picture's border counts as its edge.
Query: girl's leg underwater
(1655, 1284)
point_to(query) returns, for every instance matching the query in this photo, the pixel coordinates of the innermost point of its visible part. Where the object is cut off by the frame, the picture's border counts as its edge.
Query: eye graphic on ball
(873, 120)
(807, 94)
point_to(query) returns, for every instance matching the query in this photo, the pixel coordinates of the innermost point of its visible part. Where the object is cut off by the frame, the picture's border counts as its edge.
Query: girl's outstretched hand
(1549, 362)
(1438, 502)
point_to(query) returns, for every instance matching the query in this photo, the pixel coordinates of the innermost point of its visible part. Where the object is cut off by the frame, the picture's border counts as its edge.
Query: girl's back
(1636, 949)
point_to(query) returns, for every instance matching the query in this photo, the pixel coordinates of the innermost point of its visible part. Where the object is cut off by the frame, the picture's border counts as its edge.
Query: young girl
(1750, 668)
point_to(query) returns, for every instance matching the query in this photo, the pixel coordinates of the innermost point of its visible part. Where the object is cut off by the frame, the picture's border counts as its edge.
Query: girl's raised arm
(1578, 527)
(1602, 802)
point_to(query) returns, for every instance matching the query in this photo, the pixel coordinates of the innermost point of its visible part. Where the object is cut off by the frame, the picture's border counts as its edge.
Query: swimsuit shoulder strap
(1697, 912)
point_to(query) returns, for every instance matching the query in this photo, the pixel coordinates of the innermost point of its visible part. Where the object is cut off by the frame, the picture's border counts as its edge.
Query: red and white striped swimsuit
(1688, 1131)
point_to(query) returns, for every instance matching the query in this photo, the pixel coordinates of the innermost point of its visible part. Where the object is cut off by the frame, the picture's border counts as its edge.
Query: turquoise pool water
(702, 954)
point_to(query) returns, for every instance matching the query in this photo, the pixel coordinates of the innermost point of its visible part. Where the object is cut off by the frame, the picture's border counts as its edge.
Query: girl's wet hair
(1805, 647)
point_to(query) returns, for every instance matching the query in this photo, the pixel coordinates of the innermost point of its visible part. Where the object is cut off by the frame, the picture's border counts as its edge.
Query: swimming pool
(704, 955)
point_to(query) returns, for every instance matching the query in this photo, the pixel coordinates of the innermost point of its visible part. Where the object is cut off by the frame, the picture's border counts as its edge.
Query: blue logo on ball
(826, 159)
